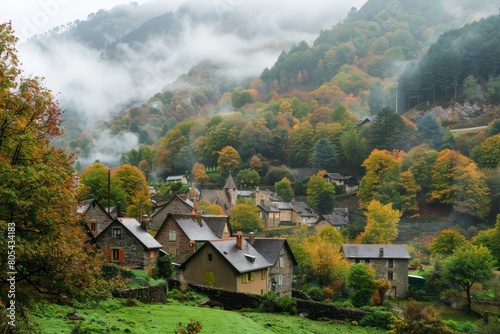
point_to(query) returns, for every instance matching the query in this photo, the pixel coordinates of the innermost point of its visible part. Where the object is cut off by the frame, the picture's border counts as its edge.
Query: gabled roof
(194, 226)
(337, 176)
(372, 251)
(230, 182)
(268, 207)
(241, 260)
(134, 227)
(303, 209)
(189, 204)
(218, 197)
(217, 224)
(270, 248)
(175, 177)
(86, 204)
(336, 220)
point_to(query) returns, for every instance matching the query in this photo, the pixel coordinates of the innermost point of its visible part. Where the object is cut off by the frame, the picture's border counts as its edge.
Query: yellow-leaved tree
(382, 224)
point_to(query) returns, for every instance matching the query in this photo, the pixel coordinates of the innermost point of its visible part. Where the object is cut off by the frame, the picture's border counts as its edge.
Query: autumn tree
(447, 241)
(38, 202)
(381, 224)
(326, 263)
(228, 160)
(136, 189)
(284, 189)
(456, 181)
(466, 266)
(199, 173)
(320, 193)
(209, 208)
(245, 218)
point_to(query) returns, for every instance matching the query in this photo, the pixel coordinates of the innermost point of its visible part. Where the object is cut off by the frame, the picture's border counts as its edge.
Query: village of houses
(206, 251)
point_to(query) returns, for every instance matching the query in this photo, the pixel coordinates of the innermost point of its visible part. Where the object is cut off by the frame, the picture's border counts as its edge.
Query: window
(172, 236)
(117, 232)
(390, 276)
(248, 277)
(173, 251)
(151, 254)
(390, 263)
(280, 280)
(117, 255)
(209, 257)
(263, 273)
(92, 227)
(210, 278)
(282, 262)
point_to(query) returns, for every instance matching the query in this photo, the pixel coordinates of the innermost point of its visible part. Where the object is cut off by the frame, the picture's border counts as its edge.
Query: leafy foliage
(245, 218)
(320, 194)
(381, 226)
(361, 280)
(38, 199)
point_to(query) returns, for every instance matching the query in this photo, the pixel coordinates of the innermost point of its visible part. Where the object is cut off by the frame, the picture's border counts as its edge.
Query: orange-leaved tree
(38, 199)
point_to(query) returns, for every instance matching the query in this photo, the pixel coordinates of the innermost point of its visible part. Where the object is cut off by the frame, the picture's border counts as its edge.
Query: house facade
(269, 214)
(348, 183)
(177, 178)
(232, 265)
(175, 205)
(178, 232)
(277, 252)
(388, 261)
(94, 216)
(128, 244)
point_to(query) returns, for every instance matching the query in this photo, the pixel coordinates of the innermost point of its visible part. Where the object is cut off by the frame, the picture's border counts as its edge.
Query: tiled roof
(270, 248)
(302, 208)
(230, 183)
(217, 223)
(336, 220)
(84, 206)
(143, 236)
(195, 227)
(243, 260)
(372, 251)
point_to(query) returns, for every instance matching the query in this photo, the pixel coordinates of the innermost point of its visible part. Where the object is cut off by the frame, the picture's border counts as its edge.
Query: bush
(270, 302)
(380, 318)
(183, 294)
(192, 327)
(315, 292)
(163, 267)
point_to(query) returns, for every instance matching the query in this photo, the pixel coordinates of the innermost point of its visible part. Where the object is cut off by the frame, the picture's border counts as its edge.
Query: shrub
(192, 327)
(270, 302)
(315, 292)
(163, 267)
(379, 317)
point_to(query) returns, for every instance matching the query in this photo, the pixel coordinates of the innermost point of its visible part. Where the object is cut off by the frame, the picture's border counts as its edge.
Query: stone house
(269, 214)
(94, 216)
(338, 219)
(177, 178)
(348, 183)
(277, 252)
(302, 213)
(388, 261)
(175, 205)
(231, 264)
(181, 233)
(128, 244)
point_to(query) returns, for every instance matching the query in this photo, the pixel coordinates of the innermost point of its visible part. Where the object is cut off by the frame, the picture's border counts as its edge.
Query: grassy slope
(113, 316)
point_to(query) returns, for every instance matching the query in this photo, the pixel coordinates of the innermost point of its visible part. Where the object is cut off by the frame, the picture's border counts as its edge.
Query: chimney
(251, 238)
(381, 252)
(145, 222)
(239, 240)
(192, 247)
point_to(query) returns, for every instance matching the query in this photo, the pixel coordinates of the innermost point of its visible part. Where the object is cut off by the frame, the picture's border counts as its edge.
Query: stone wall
(237, 301)
(147, 295)
(178, 248)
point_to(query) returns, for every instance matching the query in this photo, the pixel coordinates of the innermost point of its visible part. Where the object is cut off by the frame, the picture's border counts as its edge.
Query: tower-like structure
(231, 190)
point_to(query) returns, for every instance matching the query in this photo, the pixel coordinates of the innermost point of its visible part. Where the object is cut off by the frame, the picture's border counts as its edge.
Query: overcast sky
(30, 17)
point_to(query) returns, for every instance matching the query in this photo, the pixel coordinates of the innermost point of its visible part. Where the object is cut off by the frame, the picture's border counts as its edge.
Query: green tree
(229, 160)
(381, 224)
(361, 281)
(301, 139)
(38, 197)
(248, 178)
(245, 218)
(95, 179)
(446, 242)
(472, 89)
(136, 189)
(431, 130)
(320, 194)
(284, 189)
(487, 154)
(466, 266)
(323, 156)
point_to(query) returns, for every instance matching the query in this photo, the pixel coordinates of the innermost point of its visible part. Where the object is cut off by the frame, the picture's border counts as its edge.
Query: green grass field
(114, 316)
